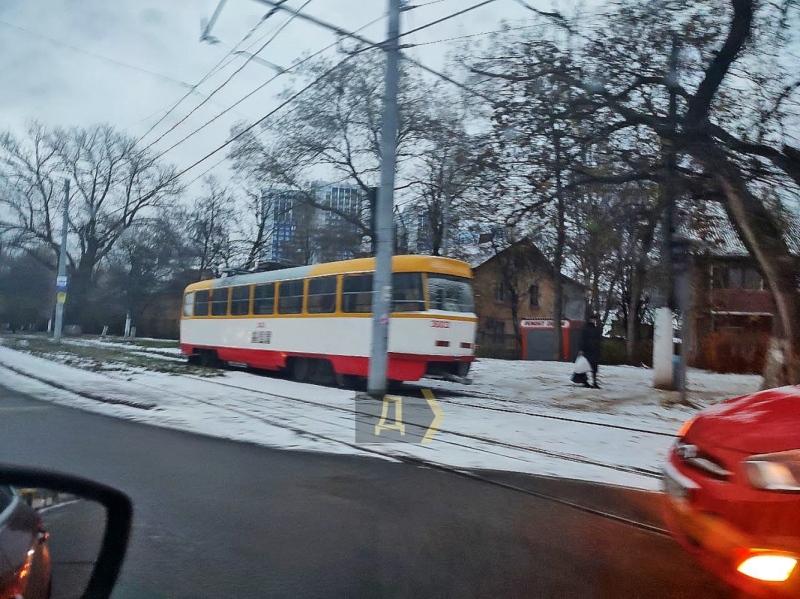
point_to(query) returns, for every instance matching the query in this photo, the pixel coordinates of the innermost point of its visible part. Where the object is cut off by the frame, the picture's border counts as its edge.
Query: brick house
(514, 284)
(732, 307)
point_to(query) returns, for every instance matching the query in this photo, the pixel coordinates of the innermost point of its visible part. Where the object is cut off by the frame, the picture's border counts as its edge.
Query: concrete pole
(61, 281)
(663, 352)
(382, 280)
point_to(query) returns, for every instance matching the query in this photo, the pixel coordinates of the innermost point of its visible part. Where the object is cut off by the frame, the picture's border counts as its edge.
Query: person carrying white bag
(581, 370)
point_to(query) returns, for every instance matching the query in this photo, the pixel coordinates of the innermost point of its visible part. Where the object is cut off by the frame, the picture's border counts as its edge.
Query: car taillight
(767, 565)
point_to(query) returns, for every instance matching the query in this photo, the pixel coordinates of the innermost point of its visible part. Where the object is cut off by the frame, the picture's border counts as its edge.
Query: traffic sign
(61, 297)
(61, 283)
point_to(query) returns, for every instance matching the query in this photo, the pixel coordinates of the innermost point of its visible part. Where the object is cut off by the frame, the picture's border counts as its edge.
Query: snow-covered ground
(517, 416)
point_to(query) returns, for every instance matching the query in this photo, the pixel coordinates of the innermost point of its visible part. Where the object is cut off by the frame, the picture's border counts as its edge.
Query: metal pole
(205, 36)
(61, 281)
(446, 220)
(382, 280)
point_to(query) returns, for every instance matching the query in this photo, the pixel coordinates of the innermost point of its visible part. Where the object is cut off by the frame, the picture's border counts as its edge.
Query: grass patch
(146, 343)
(104, 358)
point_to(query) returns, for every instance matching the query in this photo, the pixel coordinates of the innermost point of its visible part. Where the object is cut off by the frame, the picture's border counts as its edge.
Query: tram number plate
(261, 336)
(440, 324)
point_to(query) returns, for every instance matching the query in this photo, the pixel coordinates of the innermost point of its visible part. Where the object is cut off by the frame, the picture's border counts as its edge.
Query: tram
(315, 321)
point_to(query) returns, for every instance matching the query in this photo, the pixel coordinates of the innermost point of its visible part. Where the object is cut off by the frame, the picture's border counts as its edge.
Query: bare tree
(113, 186)
(210, 223)
(336, 128)
(733, 134)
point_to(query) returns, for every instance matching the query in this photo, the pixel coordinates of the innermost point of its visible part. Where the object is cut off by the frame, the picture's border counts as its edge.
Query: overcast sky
(79, 62)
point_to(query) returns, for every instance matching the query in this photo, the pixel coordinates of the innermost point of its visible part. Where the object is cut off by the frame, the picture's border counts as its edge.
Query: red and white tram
(315, 321)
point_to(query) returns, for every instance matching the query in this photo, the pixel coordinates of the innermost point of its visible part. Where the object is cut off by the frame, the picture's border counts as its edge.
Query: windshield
(413, 318)
(452, 294)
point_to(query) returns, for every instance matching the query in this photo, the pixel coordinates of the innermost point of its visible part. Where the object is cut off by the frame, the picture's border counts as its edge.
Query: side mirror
(60, 535)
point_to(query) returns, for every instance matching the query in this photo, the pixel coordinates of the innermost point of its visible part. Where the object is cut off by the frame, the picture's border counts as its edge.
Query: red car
(733, 485)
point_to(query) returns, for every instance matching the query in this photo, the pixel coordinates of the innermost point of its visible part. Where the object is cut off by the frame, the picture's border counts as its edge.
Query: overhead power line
(287, 70)
(228, 80)
(252, 126)
(229, 57)
(447, 18)
(368, 42)
(96, 55)
(471, 35)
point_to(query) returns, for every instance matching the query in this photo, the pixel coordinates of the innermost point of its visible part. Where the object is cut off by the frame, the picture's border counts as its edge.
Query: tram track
(478, 395)
(511, 446)
(407, 459)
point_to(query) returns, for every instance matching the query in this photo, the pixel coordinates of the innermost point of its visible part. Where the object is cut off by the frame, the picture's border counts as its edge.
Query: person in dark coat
(591, 338)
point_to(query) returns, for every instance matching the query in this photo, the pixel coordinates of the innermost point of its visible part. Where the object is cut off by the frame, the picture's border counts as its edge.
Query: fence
(733, 351)
(506, 346)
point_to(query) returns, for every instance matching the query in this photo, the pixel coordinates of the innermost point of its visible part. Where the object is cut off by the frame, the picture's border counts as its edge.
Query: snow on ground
(517, 416)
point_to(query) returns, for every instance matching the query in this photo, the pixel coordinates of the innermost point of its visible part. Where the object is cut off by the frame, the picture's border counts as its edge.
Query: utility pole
(663, 352)
(446, 220)
(61, 279)
(382, 280)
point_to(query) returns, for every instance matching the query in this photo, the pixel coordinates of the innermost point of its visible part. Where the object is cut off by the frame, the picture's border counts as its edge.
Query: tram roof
(404, 263)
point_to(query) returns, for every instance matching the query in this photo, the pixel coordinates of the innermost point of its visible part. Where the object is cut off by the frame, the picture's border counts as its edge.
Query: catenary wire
(229, 57)
(224, 83)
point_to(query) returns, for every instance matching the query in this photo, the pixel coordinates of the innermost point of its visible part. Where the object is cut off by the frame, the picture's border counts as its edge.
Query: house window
(501, 293)
(735, 277)
(533, 293)
(752, 279)
(719, 277)
(495, 328)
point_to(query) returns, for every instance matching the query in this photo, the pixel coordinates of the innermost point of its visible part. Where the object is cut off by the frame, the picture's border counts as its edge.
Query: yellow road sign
(437, 412)
(61, 297)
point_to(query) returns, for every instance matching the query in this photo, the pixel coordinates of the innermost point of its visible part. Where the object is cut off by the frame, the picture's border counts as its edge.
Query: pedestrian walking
(591, 339)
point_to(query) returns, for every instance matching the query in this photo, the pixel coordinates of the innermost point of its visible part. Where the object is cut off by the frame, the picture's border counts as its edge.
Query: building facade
(732, 308)
(517, 284)
(305, 230)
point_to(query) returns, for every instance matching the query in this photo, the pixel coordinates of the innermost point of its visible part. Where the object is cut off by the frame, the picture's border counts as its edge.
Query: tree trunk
(78, 292)
(637, 281)
(558, 259)
(763, 238)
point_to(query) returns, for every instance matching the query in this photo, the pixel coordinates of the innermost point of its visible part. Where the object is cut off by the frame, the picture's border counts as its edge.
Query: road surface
(216, 518)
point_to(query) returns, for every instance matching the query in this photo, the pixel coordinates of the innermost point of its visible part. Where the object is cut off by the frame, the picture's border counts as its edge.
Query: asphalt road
(221, 519)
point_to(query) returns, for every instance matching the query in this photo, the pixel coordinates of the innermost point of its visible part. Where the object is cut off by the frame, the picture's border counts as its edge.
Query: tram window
(407, 292)
(264, 299)
(290, 297)
(188, 304)
(219, 301)
(357, 294)
(453, 294)
(201, 303)
(322, 295)
(240, 301)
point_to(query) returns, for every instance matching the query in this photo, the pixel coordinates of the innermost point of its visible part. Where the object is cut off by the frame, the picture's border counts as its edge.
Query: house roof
(486, 254)
(714, 234)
